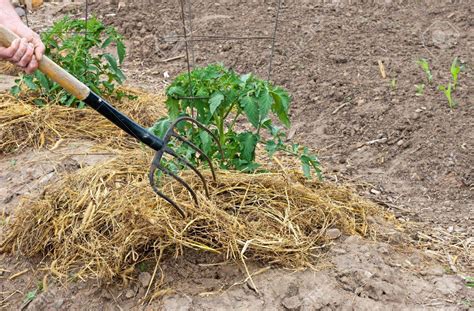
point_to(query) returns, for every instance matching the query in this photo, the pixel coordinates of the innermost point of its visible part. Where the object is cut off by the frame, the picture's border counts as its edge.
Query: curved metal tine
(151, 178)
(192, 145)
(203, 127)
(159, 154)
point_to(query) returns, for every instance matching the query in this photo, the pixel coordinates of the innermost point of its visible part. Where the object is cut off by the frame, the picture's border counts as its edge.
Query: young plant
(393, 84)
(220, 99)
(447, 90)
(426, 68)
(470, 282)
(456, 68)
(79, 47)
(420, 89)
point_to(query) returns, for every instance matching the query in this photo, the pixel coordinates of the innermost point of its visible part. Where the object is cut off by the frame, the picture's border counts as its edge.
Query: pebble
(333, 233)
(375, 192)
(130, 294)
(58, 303)
(144, 278)
(292, 303)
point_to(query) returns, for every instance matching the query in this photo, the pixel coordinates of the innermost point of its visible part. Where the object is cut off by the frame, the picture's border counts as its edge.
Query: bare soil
(413, 154)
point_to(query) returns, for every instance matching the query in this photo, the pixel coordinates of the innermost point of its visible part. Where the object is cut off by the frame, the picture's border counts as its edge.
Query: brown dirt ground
(412, 153)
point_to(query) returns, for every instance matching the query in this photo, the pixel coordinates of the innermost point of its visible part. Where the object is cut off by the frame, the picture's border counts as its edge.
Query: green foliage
(455, 69)
(420, 89)
(393, 84)
(222, 99)
(470, 282)
(426, 68)
(30, 296)
(84, 56)
(447, 90)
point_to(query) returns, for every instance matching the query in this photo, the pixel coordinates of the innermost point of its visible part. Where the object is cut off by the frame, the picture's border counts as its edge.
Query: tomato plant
(223, 100)
(84, 56)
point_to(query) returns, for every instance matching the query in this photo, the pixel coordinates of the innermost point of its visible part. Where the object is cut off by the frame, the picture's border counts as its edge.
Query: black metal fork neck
(123, 122)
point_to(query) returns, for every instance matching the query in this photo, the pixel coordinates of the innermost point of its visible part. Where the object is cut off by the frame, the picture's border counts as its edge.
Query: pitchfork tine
(161, 194)
(201, 126)
(189, 143)
(195, 170)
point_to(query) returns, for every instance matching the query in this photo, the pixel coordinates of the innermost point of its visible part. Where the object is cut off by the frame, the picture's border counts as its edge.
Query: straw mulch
(8, 68)
(101, 221)
(24, 125)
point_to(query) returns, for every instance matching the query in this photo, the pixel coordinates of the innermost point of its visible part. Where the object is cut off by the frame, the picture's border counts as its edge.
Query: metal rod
(217, 38)
(191, 32)
(275, 29)
(181, 2)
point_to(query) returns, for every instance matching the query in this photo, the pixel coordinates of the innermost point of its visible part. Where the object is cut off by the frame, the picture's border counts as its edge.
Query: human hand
(26, 52)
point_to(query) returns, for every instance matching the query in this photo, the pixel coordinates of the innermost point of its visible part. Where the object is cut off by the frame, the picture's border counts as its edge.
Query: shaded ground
(415, 153)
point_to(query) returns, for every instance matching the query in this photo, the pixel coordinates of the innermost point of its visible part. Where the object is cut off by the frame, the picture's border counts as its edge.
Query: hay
(8, 68)
(24, 125)
(101, 221)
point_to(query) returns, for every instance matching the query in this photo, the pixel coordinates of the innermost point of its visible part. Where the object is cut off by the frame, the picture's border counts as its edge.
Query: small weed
(456, 68)
(31, 295)
(393, 84)
(426, 68)
(466, 302)
(447, 90)
(13, 163)
(470, 282)
(142, 266)
(420, 89)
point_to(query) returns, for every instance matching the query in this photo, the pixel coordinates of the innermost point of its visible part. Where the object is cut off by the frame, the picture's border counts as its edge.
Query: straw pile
(23, 125)
(101, 221)
(8, 68)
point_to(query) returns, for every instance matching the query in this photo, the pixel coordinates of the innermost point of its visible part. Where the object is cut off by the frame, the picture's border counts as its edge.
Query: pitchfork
(83, 93)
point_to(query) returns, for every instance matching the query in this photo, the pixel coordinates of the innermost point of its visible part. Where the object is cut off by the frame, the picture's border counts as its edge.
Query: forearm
(8, 14)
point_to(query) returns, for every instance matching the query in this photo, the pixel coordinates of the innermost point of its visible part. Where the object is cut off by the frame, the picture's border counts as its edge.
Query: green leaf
(39, 102)
(112, 61)
(106, 43)
(248, 144)
(29, 82)
(43, 81)
(306, 169)
(215, 101)
(121, 51)
(271, 147)
(265, 101)
(175, 91)
(205, 141)
(160, 127)
(244, 78)
(173, 107)
(280, 106)
(15, 90)
(251, 110)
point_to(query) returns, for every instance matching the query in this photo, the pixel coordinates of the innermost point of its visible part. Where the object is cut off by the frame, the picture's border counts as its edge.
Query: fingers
(24, 54)
(7, 53)
(27, 57)
(32, 66)
(39, 47)
(20, 52)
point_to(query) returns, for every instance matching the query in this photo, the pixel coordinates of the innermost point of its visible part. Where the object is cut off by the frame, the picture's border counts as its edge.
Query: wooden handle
(51, 69)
